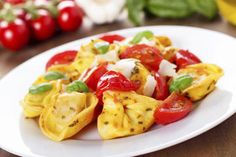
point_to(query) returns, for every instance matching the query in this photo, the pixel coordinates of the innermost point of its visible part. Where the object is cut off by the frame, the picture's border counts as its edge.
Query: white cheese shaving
(167, 69)
(149, 86)
(110, 56)
(147, 42)
(124, 66)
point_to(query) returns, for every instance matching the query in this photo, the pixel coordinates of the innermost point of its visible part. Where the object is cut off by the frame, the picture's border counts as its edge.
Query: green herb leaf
(207, 8)
(102, 47)
(138, 37)
(77, 86)
(53, 75)
(135, 10)
(40, 88)
(181, 83)
(169, 8)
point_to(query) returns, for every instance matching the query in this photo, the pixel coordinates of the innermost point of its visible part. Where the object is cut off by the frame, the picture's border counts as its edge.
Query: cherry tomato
(184, 58)
(112, 80)
(112, 37)
(70, 16)
(94, 75)
(14, 35)
(174, 108)
(42, 26)
(15, 1)
(161, 91)
(65, 57)
(20, 13)
(149, 56)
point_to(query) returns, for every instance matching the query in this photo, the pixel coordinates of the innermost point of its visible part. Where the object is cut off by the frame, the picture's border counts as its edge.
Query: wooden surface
(218, 142)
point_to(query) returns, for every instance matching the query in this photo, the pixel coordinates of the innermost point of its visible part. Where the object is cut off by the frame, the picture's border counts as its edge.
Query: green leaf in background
(207, 8)
(135, 10)
(138, 37)
(169, 8)
(40, 88)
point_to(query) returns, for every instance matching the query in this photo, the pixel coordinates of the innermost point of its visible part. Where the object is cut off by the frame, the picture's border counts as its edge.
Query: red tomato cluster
(174, 106)
(18, 25)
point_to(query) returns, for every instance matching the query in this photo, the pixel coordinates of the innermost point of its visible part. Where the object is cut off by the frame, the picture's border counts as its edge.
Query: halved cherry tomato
(112, 37)
(15, 1)
(161, 90)
(65, 57)
(148, 55)
(94, 75)
(112, 80)
(184, 58)
(174, 108)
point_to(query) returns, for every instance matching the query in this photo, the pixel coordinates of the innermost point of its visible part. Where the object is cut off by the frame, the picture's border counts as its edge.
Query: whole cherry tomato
(70, 16)
(93, 75)
(184, 58)
(14, 35)
(42, 24)
(15, 1)
(148, 55)
(112, 80)
(174, 108)
(112, 37)
(65, 57)
(20, 13)
(161, 90)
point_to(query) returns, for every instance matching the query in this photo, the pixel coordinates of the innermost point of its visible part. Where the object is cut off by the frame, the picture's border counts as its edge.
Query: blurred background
(30, 27)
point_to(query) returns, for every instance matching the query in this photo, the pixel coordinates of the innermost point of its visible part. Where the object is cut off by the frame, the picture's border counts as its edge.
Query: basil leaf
(135, 10)
(77, 86)
(53, 75)
(207, 8)
(169, 8)
(138, 37)
(102, 47)
(180, 83)
(40, 88)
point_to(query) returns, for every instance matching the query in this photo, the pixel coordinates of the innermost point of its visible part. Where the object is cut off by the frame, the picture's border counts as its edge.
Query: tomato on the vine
(65, 57)
(70, 16)
(148, 55)
(174, 108)
(42, 24)
(112, 37)
(14, 35)
(112, 80)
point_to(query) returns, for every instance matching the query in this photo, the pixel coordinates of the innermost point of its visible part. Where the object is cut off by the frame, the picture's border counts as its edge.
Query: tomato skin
(93, 79)
(161, 90)
(112, 80)
(70, 16)
(65, 57)
(148, 55)
(14, 35)
(43, 26)
(112, 37)
(15, 1)
(174, 108)
(184, 58)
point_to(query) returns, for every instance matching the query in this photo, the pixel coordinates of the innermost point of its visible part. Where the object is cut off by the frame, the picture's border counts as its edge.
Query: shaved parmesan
(110, 56)
(149, 86)
(147, 42)
(124, 66)
(167, 69)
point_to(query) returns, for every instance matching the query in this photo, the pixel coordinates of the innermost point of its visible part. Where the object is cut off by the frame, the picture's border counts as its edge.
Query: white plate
(23, 137)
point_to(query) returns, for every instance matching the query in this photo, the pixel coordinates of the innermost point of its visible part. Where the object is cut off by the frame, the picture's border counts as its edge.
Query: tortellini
(125, 113)
(33, 104)
(67, 69)
(139, 75)
(204, 77)
(70, 113)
